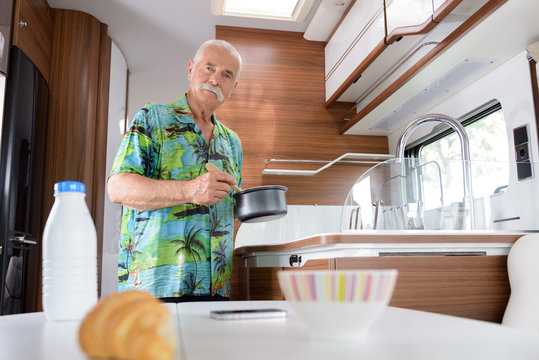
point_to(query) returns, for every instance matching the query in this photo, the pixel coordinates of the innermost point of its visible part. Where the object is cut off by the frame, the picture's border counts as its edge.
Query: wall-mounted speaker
(522, 152)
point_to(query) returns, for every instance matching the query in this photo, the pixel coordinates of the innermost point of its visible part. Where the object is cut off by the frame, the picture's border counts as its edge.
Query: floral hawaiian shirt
(184, 249)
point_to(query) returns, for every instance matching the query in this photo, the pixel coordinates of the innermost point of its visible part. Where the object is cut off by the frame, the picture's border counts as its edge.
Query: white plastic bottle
(69, 255)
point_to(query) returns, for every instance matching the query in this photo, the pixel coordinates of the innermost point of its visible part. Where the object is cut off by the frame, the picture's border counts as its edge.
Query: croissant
(130, 325)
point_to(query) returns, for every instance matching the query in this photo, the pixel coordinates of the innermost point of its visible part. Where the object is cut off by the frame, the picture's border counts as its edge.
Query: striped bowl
(338, 304)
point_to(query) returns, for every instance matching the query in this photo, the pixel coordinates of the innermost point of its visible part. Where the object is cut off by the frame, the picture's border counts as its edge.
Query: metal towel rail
(362, 157)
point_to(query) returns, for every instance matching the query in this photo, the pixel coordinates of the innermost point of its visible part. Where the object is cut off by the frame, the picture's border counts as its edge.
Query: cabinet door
(436, 4)
(263, 283)
(407, 13)
(475, 287)
(32, 32)
(361, 31)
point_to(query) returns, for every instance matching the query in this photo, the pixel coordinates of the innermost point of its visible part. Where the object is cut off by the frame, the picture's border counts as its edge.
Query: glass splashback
(430, 194)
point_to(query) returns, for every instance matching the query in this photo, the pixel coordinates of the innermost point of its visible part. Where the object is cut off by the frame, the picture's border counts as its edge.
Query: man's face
(211, 79)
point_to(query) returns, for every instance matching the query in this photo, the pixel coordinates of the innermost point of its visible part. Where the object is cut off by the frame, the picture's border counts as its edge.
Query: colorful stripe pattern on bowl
(338, 286)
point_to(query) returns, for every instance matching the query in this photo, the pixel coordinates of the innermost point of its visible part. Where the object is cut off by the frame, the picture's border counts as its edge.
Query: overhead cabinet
(360, 34)
(407, 15)
(379, 42)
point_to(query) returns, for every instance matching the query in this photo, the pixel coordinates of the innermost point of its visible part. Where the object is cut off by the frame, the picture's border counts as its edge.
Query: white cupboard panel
(402, 13)
(116, 129)
(359, 33)
(437, 3)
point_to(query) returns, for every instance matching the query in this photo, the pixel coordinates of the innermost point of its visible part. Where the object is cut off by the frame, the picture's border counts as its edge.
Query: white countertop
(397, 334)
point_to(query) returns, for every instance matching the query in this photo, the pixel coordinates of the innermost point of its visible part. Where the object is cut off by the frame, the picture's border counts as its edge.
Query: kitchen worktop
(389, 236)
(397, 334)
(368, 243)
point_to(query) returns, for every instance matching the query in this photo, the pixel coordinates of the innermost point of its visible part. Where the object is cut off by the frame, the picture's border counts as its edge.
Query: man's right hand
(209, 188)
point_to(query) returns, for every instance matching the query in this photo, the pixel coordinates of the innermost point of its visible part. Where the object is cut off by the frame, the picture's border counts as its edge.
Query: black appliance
(22, 159)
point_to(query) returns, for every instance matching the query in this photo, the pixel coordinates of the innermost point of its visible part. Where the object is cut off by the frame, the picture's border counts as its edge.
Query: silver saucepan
(258, 204)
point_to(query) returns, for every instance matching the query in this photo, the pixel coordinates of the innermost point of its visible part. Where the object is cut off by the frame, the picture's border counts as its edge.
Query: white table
(398, 334)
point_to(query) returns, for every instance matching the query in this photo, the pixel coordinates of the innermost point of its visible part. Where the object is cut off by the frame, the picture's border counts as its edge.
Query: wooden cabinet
(475, 287)
(78, 110)
(32, 32)
(72, 50)
(461, 284)
(263, 284)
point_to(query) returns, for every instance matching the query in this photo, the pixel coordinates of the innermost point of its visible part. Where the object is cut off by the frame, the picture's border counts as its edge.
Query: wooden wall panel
(34, 38)
(78, 109)
(73, 101)
(278, 111)
(475, 287)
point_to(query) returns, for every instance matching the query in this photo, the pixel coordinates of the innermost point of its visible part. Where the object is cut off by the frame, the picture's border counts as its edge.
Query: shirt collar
(184, 115)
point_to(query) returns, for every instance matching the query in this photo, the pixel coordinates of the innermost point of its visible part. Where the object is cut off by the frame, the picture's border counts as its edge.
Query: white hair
(223, 45)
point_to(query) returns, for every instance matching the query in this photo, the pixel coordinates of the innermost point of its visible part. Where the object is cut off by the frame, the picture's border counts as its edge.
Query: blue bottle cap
(69, 186)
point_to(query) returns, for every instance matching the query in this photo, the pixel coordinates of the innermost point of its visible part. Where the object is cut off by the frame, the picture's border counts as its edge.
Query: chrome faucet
(464, 149)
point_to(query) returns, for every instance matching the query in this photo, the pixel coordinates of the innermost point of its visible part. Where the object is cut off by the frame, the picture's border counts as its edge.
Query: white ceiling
(148, 32)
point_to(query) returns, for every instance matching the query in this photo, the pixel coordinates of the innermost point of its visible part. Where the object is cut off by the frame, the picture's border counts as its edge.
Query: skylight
(278, 8)
(292, 10)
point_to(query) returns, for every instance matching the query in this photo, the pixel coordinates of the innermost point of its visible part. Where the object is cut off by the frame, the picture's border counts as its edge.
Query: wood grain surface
(34, 38)
(278, 111)
(475, 287)
(78, 109)
(263, 283)
(381, 238)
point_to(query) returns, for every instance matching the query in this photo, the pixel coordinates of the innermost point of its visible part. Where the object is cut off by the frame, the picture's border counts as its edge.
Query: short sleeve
(138, 150)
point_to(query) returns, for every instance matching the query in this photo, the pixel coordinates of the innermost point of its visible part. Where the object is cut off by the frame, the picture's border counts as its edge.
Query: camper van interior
(405, 133)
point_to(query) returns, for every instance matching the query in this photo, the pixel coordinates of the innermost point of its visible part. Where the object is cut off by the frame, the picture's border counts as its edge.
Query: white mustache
(214, 89)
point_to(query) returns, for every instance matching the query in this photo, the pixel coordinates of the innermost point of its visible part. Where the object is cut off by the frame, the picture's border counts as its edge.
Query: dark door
(21, 177)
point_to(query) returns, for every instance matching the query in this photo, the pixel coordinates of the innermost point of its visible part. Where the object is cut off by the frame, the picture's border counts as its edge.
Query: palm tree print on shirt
(215, 223)
(200, 151)
(188, 245)
(220, 260)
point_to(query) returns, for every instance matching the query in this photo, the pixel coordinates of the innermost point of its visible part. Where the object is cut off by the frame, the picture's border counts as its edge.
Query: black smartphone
(247, 314)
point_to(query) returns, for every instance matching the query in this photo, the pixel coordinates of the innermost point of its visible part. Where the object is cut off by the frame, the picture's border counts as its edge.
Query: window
(291, 10)
(442, 176)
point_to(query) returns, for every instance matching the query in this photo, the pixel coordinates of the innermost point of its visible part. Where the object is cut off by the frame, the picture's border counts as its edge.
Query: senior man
(177, 225)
